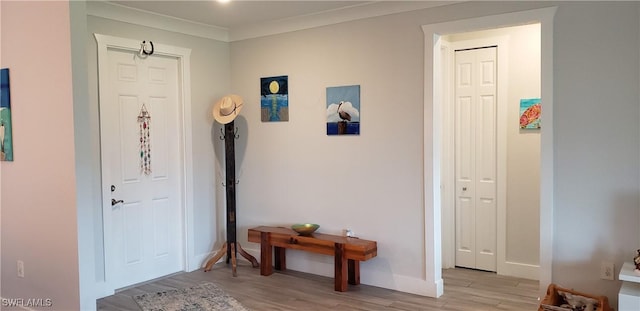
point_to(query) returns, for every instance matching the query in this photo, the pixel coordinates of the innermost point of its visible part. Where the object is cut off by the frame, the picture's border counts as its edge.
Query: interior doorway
(434, 93)
(144, 137)
(509, 240)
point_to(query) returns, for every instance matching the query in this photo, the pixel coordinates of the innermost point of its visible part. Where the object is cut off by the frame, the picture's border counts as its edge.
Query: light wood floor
(465, 290)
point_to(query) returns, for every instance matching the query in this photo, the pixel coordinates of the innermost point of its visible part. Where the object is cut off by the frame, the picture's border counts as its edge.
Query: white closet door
(475, 157)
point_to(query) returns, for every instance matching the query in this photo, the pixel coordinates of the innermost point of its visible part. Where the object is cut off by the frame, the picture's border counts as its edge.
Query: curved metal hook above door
(143, 49)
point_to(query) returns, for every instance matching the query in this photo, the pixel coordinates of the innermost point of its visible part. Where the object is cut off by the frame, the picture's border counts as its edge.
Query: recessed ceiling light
(224, 1)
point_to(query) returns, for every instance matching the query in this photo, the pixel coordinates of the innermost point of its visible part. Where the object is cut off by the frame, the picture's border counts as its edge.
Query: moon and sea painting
(530, 113)
(343, 110)
(274, 99)
(6, 142)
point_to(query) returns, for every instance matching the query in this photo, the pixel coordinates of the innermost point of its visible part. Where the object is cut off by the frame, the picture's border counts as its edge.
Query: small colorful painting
(343, 110)
(6, 142)
(274, 99)
(530, 113)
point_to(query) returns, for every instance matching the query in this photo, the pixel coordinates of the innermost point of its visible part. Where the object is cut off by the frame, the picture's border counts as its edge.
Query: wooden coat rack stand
(231, 247)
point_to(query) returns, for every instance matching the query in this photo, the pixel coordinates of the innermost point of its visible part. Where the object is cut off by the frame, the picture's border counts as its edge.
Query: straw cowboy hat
(227, 108)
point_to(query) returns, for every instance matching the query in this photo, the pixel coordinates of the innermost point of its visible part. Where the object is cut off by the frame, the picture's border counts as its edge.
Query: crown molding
(154, 20)
(129, 15)
(355, 12)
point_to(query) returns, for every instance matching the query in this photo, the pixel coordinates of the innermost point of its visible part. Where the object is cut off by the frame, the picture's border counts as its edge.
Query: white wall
(596, 142)
(87, 187)
(292, 172)
(209, 78)
(372, 183)
(523, 150)
(38, 201)
(289, 171)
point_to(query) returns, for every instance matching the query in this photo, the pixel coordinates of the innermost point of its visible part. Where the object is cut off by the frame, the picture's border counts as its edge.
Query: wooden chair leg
(247, 256)
(216, 257)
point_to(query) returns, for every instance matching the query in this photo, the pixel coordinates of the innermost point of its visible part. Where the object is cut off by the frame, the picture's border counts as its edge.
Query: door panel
(130, 148)
(465, 161)
(160, 145)
(162, 227)
(145, 231)
(132, 217)
(475, 154)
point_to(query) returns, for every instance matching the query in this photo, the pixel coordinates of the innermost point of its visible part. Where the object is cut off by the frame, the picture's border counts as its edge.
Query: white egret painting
(343, 110)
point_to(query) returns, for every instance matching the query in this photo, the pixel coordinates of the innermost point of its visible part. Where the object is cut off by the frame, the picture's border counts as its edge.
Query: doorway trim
(433, 95)
(183, 56)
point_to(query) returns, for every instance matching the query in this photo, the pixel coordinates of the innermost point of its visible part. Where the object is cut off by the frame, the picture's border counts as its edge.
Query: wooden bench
(348, 252)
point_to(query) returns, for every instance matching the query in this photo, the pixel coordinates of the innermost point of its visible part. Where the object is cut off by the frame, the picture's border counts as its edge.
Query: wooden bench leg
(340, 268)
(281, 258)
(266, 254)
(354, 272)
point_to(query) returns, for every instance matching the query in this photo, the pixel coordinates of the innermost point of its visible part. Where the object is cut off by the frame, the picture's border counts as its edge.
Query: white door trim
(183, 56)
(447, 165)
(433, 136)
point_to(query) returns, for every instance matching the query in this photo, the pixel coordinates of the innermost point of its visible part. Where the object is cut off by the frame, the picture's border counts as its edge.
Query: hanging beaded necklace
(144, 119)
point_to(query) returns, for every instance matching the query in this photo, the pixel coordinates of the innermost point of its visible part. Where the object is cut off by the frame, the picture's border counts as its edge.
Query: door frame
(183, 56)
(448, 145)
(433, 93)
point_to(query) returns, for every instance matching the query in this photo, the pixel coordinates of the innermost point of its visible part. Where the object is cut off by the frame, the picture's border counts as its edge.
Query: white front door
(144, 231)
(475, 158)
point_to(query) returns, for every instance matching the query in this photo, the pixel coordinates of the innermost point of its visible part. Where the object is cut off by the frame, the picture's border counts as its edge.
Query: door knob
(114, 202)
(464, 188)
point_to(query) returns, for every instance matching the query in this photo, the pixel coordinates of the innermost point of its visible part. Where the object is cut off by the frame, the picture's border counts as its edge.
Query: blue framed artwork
(274, 99)
(530, 109)
(6, 141)
(343, 110)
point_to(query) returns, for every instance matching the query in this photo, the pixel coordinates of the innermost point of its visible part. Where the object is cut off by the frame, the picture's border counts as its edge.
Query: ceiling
(239, 13)
(243, 19)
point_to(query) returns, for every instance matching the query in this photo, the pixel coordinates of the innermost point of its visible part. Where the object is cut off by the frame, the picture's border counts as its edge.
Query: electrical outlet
(607, 270)
(20, 268)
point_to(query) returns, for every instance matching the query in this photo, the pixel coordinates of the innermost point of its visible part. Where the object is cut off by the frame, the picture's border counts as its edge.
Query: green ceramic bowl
(305, 229)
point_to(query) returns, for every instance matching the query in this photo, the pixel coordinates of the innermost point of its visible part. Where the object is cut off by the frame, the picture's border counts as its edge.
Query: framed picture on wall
(274, 99)
(6, 141)
(530, 109)
(343, 110)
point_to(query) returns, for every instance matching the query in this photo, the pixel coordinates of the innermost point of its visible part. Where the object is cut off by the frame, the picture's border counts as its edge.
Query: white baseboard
(520, 270)
(402, 283)
(371, 277)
